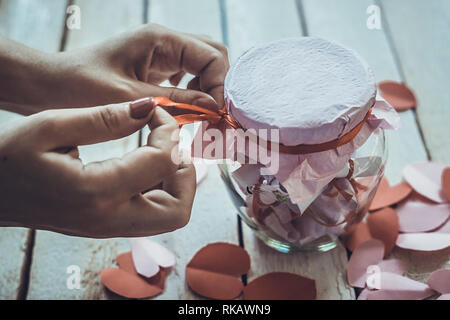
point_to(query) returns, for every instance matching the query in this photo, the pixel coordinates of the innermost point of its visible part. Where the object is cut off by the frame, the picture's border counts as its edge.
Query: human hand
(124, 68)
(45, 185)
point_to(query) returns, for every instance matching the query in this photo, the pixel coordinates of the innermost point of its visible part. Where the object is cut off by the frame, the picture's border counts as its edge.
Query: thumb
(73, 127)
(188, 96)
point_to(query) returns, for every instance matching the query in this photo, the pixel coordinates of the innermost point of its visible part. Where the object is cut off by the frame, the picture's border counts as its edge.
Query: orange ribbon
(196, 113)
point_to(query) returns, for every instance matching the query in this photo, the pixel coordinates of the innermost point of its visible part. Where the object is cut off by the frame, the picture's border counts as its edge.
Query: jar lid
(311, 89)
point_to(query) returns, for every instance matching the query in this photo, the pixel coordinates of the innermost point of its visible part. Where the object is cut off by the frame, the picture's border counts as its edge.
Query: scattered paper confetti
(426, 179)
(387, 195)
(416, 215)
(383, 225)
(281, 286)
(398, 94)
(370, 253)
(148, 256)
(440, 281)
(214, 269)
(446, 182)
(426, 241)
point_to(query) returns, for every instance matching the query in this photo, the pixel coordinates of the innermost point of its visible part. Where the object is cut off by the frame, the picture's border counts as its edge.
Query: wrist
(27, 77)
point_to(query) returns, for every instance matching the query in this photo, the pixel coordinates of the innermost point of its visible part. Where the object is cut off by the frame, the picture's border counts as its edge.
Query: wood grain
(54, 253)
(250, 23)
(33, 23)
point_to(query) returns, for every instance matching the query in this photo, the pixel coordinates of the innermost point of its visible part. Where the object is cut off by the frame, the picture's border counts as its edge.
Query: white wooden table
(412, 46)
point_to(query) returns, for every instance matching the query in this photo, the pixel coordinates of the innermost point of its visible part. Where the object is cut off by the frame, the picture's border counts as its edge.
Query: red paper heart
(387, 195)
(399, 95)
(128, 285)
(281, 286)
(446, 182)
(358, 234)
(213, 271)
(383, 225)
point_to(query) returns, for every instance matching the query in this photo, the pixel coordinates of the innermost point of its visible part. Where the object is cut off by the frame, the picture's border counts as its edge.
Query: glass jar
(319, 100)
(373, 154)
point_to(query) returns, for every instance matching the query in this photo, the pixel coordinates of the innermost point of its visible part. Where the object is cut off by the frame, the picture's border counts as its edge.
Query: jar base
(322, 244)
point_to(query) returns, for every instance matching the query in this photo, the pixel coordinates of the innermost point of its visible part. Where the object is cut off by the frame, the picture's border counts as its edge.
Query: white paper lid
(313, 90)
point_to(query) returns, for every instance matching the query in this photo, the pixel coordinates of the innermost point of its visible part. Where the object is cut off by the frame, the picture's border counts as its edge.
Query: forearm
(25, 77)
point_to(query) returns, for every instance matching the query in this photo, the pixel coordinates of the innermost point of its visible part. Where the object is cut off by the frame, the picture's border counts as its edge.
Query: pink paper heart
(415, 215)
(427, 241)
(396, 287)
(148, 256)
(440, 281)
(369, 253)
(396, 266)
(426, 179)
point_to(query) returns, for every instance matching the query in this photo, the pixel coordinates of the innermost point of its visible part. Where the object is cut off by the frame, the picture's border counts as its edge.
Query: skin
(44, 184)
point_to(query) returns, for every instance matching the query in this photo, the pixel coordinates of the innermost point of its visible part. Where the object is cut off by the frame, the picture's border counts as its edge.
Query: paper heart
(427, 241)
(281, 286)
(125, 262)
(127, 285)
(446, 182)
(440, 281)
(358, 234)
(426, 179)
(214, 269)
(396, 266)
(383, 225)
(416, 215)
(387, 195)
(370, 253)
(398, 94)
(148, 256)
(396, 287)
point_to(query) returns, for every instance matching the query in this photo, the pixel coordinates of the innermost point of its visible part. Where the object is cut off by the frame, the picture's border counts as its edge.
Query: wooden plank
(248, 23)
(345, 22)
(54, 253)
(213, 215)
(420, 31)
(33, 23)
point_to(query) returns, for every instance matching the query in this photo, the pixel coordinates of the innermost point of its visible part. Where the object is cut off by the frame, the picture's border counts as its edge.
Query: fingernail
(141, 108)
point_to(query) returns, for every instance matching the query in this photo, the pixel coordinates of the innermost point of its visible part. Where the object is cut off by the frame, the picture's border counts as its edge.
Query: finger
(194, 84)
(74, 127)
(219, 46)
(205, 61)
(176, 78)
(142, 168)
(188, 96)
(168, 209)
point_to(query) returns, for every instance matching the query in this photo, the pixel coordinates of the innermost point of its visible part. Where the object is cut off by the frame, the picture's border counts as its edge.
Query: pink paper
(396, 266)
(369, 253)
(396, 287)
(148, 256)
(427, 241)
(415, 215)
(425, 178)
(444, 297)
(440, 281)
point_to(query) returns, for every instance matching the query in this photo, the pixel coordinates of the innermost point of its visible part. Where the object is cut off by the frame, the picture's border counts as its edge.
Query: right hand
(44, 184)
